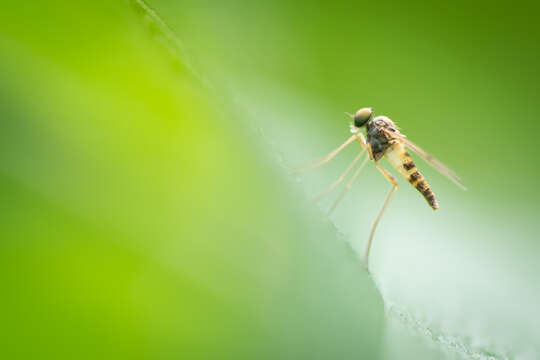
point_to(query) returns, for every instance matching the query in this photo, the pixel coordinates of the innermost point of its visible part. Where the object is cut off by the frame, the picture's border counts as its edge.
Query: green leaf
(142, 221)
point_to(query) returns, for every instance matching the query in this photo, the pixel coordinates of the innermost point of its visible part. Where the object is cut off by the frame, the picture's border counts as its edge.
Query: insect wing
(436, 164)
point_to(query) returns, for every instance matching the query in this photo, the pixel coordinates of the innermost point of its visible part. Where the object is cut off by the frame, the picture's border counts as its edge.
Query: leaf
(139, 224)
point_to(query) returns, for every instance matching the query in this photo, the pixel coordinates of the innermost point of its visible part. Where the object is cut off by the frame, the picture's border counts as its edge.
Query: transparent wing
(436, 164)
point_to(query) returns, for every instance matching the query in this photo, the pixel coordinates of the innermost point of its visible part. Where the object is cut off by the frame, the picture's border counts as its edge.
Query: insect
(383, 139)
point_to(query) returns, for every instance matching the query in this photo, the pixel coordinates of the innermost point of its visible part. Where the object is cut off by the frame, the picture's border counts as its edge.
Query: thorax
(378, 139)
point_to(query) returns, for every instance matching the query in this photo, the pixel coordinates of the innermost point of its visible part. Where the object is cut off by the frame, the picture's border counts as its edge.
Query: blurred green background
(149, 210)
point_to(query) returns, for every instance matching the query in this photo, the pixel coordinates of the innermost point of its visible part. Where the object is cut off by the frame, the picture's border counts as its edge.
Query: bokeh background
(149, 210)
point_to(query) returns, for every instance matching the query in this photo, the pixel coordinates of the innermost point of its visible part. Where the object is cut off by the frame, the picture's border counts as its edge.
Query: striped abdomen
(401, 160)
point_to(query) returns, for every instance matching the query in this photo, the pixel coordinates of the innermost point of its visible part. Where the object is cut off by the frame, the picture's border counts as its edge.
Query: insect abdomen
(417, 180)
(401, 160)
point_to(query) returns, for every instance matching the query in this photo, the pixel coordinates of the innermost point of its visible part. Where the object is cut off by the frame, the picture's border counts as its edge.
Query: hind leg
(394, 188)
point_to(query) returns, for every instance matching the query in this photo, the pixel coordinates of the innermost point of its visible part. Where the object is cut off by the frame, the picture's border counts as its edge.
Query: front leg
(362, 140)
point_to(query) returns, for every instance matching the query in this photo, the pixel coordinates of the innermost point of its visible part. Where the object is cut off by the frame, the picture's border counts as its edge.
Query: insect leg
(315, 163)
(362, 140)
(341, 178)
(348, 185)
(394, 188)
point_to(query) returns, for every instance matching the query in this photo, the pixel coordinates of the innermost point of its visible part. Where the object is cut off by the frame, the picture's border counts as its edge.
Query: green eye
(360, 121)
(362, 116)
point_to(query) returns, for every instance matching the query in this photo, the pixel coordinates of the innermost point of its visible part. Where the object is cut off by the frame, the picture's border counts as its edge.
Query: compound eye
(362, 116)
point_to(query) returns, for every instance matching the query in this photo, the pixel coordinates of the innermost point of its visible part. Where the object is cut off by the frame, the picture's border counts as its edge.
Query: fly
(383, 139)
